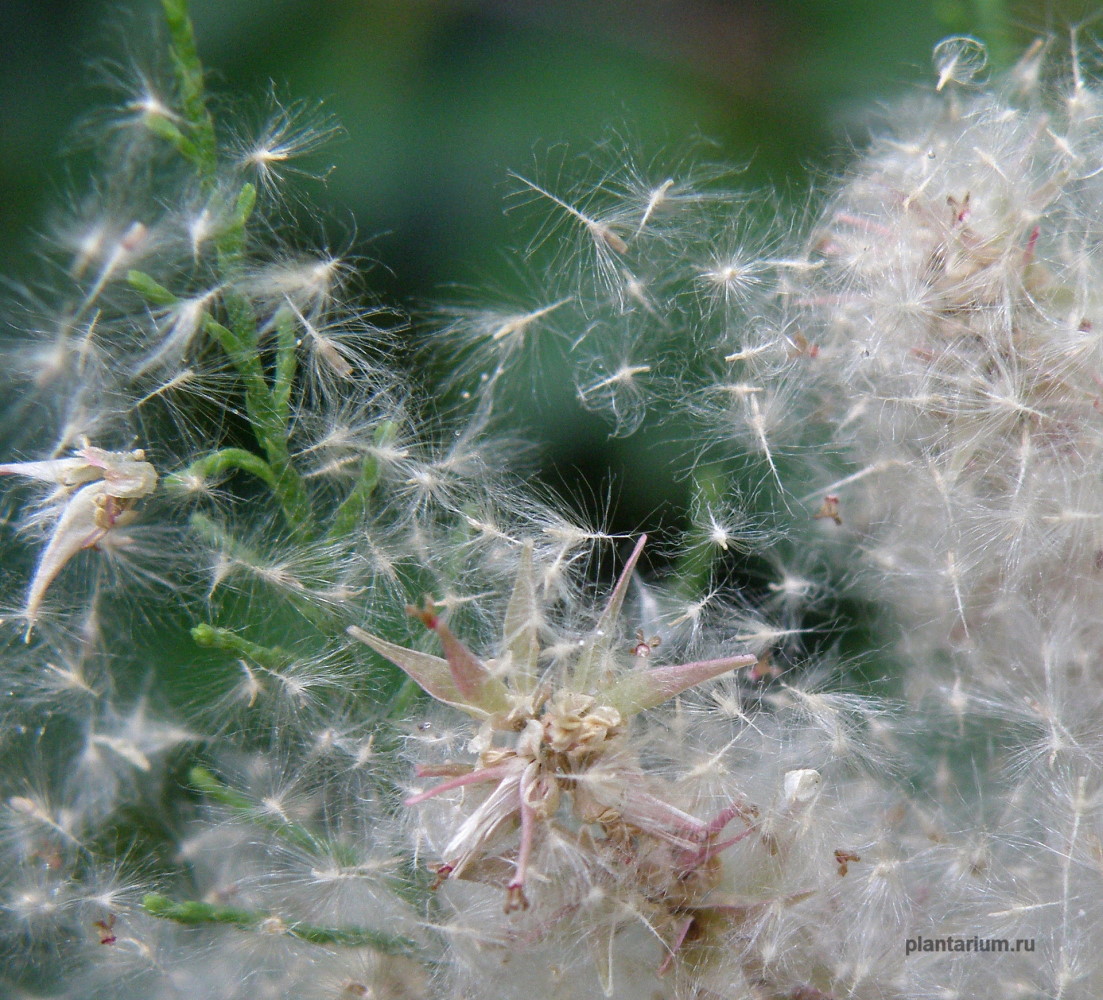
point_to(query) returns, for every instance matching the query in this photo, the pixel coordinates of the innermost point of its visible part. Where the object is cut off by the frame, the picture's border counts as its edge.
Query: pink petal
(475, 777)
(515, 891)
(647, 812)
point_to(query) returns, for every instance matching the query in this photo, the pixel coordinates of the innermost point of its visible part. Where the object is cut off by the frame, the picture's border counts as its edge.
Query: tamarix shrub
(311, 694)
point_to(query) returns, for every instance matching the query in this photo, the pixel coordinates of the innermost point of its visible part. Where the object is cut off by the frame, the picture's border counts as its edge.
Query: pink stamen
(475, 777)
(725, 816)
(708, 850)
(660, 819)
(515, 891)
(688, 862)
(442, 770)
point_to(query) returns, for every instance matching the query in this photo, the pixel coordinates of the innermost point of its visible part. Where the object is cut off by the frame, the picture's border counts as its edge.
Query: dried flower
(565, 736)
(96, 491)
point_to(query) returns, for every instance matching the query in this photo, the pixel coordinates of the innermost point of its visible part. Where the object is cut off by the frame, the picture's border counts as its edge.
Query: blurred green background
(439, 98)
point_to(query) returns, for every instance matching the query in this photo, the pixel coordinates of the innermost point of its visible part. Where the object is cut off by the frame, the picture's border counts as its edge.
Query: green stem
(167, 130)
(192, 912)
(152, 291)
(354, 508)
(215, 534)
(266, 406)
(289, 486)
(273, 420)
(286, 829)
(286, 365)
(242, 352)
(226, 460)
(213, 637)
(269, 420)
(193, 97)
(205, 782)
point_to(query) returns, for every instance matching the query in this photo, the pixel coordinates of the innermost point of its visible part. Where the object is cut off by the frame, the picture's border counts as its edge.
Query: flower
(96, 491)
(564, 738)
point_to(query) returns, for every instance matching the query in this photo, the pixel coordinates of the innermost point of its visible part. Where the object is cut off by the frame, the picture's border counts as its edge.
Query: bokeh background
(439, 98)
